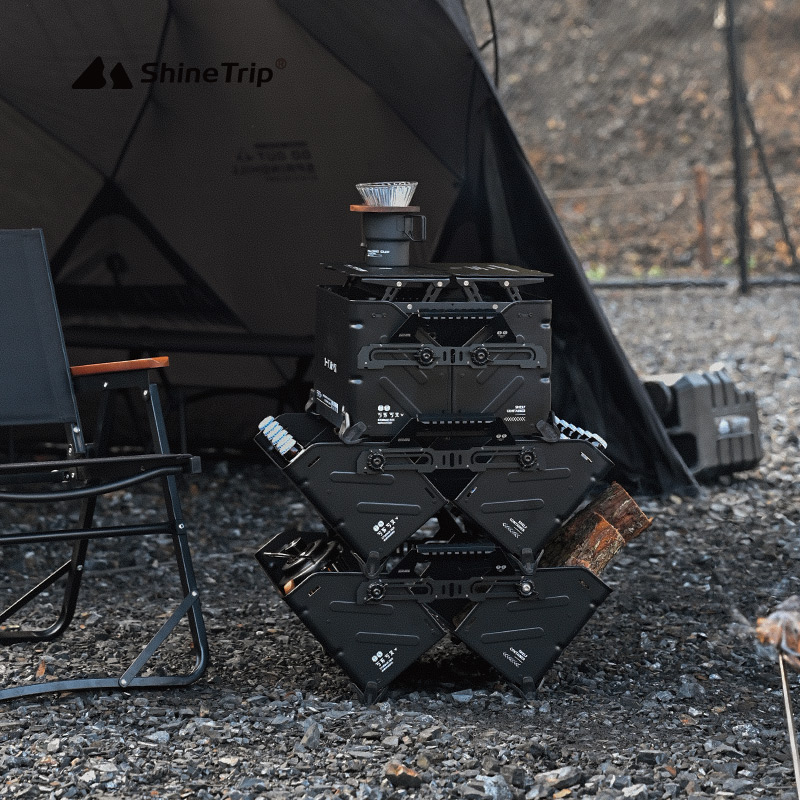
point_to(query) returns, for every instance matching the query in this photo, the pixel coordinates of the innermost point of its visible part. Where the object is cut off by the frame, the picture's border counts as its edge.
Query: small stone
(162, 737)
(490, 765)
(54, 745)
(516, 776)
(650, 757)
(252, 783)
(537, 792)
(729, 768)
(433, 732)
(637, 790)
(737, 785)
(561, 778)
(312, 736)
(690, 689)
(495, 787)
(401, 776)
(463, 696)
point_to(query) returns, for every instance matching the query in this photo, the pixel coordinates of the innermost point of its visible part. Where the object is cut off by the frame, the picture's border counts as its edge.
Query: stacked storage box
(429, 449)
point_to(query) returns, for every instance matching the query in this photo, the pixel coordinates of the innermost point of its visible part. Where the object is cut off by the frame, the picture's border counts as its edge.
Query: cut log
(597, 533)
(620, 509)
(591, 542)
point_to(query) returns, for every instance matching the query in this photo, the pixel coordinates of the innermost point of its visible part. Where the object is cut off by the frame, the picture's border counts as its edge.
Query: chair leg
(73, 571)
(14, 633)
(189, 606)
(72, 589)
(188, 581)
(180, 540)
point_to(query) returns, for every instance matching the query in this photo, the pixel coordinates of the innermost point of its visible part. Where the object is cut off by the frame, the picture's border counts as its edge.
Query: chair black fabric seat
(37, 387)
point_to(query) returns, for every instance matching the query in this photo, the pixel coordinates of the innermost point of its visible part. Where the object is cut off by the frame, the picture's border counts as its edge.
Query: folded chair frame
(38, 387)
(83, 479)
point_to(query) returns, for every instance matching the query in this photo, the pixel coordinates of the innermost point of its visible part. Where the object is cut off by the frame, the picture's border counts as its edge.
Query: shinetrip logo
(226, 72)
(93, 77)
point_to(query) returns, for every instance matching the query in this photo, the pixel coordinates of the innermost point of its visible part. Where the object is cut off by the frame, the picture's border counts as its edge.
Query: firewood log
(597, 533)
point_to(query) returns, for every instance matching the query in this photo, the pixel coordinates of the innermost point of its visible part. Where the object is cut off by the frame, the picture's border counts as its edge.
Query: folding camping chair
(37, 387)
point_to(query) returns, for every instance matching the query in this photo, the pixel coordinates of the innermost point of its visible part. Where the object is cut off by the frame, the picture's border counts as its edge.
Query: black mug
(388, 234)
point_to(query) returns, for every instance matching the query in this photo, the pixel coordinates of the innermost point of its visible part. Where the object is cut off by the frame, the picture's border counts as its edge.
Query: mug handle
(408, 229)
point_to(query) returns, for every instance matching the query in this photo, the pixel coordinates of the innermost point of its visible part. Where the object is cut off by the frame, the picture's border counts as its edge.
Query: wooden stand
(383, 209)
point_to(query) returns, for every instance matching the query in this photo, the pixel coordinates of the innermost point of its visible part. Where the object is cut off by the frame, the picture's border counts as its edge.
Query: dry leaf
(781, 629)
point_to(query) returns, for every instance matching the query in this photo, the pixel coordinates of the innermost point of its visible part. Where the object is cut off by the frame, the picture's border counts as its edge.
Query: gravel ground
(663, 694)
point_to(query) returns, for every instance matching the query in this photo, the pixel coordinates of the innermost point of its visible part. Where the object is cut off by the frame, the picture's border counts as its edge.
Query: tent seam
(131, 133)
(69, 148)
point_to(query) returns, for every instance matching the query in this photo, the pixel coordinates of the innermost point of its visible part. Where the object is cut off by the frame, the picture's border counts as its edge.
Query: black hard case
(382, 362)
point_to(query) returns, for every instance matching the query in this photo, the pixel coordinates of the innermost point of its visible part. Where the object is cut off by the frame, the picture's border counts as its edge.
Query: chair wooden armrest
(120, 366)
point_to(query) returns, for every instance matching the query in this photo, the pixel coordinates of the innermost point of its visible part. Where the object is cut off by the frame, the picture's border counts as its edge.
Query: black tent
(192, 163)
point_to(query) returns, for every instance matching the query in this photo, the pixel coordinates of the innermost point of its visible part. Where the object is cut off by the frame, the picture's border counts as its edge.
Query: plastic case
(713, 425)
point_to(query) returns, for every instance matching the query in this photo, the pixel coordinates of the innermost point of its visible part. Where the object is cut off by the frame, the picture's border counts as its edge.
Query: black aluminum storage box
(445, 341)
(376, 497)
(430, 452)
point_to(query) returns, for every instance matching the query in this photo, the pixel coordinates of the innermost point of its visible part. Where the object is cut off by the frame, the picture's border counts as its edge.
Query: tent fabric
(202, 170)
(592, 378)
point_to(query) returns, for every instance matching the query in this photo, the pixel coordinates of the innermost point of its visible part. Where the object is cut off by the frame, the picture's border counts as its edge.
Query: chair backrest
(35, 381)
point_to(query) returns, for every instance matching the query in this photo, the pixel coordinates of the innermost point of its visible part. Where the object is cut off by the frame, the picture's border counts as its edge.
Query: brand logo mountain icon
(93, 77)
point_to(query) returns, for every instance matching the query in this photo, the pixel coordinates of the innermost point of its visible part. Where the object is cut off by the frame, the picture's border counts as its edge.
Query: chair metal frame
(87, 473)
